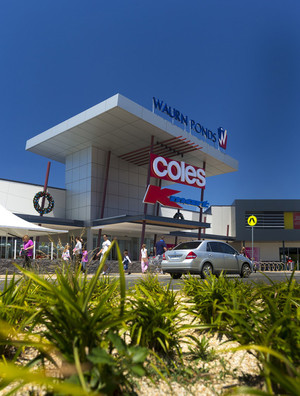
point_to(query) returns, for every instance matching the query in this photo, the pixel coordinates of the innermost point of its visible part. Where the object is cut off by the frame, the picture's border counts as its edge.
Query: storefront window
(132, 244)
(7, 247)
(292, 252)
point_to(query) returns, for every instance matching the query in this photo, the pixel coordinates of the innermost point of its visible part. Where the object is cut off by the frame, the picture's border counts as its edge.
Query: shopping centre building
(126, 172)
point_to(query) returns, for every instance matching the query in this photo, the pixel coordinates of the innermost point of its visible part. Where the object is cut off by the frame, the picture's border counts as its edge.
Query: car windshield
(187, 245)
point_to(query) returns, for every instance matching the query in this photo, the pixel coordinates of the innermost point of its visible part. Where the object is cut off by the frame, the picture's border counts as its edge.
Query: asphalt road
(266, 277)
(259, 277)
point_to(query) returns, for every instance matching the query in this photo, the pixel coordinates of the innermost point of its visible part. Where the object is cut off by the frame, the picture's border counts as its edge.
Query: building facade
(106, 151)
(277, 232)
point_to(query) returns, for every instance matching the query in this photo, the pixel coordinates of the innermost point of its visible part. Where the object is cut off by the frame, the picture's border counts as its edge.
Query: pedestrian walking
(160, 248)
(290, 264)
(66, 253)
(27, 251)
(144, 259)
(105, 246)
(126, 261)
(77, 252)
(85, 259)
(244, 252)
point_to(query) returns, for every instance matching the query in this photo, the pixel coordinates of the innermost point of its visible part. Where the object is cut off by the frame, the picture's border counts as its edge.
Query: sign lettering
(177, 171)
(194, 126)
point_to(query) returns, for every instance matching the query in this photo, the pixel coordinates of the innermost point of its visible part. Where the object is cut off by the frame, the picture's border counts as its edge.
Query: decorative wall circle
(36, 202)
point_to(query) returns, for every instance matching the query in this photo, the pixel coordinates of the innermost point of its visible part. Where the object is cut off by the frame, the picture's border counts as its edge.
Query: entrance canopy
(125, 128)
(14, 226)
(155, 224)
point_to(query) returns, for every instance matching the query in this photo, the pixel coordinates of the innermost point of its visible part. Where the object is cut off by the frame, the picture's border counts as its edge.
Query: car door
(215, 255)
(230, 258)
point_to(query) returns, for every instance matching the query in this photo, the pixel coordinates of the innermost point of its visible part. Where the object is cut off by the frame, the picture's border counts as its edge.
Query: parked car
(204, 257)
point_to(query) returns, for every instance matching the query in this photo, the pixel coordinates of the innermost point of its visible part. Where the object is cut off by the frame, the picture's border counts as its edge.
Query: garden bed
(77, 335)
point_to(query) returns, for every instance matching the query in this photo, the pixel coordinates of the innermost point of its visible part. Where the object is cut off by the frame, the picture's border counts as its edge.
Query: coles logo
(177, 171)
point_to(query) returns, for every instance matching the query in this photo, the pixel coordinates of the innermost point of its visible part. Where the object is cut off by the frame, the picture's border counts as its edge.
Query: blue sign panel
(188, 201)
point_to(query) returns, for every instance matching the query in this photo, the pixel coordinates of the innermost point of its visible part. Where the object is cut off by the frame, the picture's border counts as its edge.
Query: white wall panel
(18, 197)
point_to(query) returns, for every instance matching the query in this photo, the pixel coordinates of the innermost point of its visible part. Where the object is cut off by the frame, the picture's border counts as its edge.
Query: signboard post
(252, 220)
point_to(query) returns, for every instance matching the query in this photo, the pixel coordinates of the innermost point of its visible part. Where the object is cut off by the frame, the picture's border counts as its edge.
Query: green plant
(200, 350)
(15, 377)
(288, 383)
(103, 287)
(266, 316)
(119, 367)
(83, 321)
(71, 318)
(151, 283)
(14, 309)
(206, 296)
(271, 321)
(157, 316)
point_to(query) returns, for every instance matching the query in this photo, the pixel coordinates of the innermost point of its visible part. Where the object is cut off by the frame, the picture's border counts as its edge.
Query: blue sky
(233, 63)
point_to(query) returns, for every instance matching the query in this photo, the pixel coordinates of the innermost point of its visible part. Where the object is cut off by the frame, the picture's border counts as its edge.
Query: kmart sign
(166, 197)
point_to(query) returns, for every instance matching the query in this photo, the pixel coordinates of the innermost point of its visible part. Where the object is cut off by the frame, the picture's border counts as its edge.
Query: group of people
(159, 249)
(80, 253)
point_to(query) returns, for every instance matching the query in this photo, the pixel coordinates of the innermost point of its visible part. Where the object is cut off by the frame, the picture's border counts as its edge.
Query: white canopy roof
(118, 119)
(13, 225)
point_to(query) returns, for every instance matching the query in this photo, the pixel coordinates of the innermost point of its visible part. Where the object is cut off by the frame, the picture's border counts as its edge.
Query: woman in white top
(144, 258)
(78, 247)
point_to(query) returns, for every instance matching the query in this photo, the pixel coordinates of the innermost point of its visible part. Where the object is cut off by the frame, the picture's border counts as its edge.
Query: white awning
(13, 225)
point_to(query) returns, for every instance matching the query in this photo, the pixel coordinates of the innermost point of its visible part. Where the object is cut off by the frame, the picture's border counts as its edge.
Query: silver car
(204, 257)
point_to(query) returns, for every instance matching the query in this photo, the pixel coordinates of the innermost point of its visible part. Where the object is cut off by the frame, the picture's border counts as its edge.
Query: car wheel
(246, 271)
(176, 275)
(207, 270)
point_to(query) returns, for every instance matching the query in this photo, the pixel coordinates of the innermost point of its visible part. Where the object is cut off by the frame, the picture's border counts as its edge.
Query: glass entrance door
(292, 252)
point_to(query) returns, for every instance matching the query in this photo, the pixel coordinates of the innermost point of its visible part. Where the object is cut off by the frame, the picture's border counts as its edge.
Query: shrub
(83, 325)
(157, 317)
(206, 296)
(15, 310)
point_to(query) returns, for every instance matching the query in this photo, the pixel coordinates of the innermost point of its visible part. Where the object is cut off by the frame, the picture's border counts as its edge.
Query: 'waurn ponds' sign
(174, 171)
(194, 126)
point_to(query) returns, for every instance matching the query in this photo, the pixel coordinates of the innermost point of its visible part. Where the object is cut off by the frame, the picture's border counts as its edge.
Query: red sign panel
(296, 218)
(156, 194)
(177, 171)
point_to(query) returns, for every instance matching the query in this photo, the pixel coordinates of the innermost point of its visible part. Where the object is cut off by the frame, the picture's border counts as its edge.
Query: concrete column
(89, 238)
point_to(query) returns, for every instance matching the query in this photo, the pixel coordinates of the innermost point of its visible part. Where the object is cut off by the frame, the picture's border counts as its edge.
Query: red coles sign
(177, 171)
